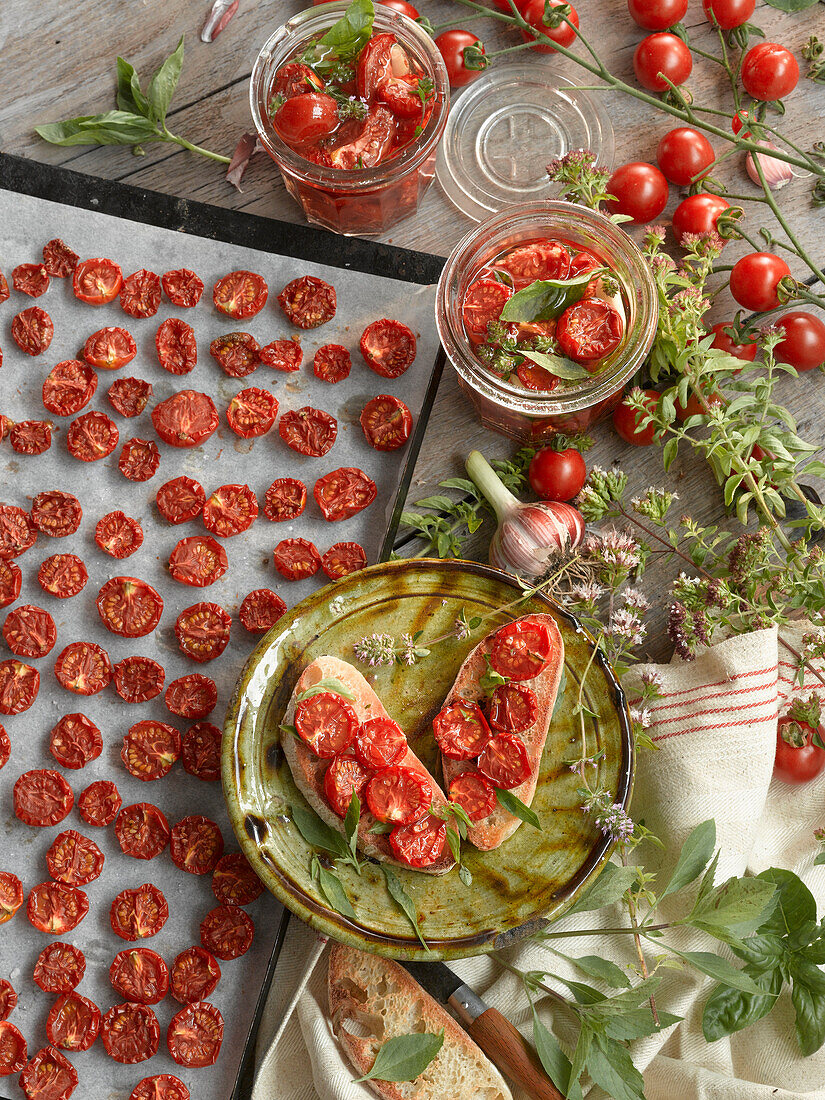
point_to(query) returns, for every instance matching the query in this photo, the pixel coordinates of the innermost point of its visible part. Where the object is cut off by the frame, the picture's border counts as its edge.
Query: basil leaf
(465, 874)
(720, 969)
(333, 890)
(558, 365)
(609, 886)
(728, 1010)
(330, 684)
(603, 969)
(792, 5)
(112, 128)
(129, 96)
(346, 38)
(317, 833)
(517, 808)
(284, 728)
(763, 952)
(637, 1023)
(795, 903)
(733, 909)
(454, 841)
(404, 1057)
(404, 902)
(554, 1061)
(695, 855)
(546, 299)
(560, 693)
(381, 828)
(808, 997)
(611, 1067)
(163, 84)
(351, 822)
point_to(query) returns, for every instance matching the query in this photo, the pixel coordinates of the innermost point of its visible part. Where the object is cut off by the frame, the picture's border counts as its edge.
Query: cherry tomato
(59, 968)
(97, 281)
(521, 650)
(388, 347)
(296, 559)
(769, 71)
(283, 355)
(285, 499)
(399, 795)
(11, 580)
(11, 895)
(83, 668)
(74, 859)
(260, 610)
(240, 294)
(110, 348)
(118, 535)
(452, 45)
(589, 330)
(59, 259)
(142, 912)
(326, 723)
(227, 932)
(92, 436)
(129, 396)
(308, 431)
(305, 118)
(202, 631)
(640, 191)
(374, 64)
(695, 407)
(19, 685)
(56, 514)
(164, 1086)
(474, 793)
(230, 510)
(483, 303)
(195, 975)
(51, 1066)
(68, 387)
(513, 707)
(370, 145)
(755, 278)
(234, 882)
(332, 363)
(626, 421)
(379, 743)
(138, 679)
(420, 844)
(252, 412)
(130, 1033)
(185, 419)
(505, 761)
(180, 500)
(139, 459)
(237, 354)
(684, 155)
(139, 974)
(398, 5)
(728, 14)
(29, 631)
(176, 346)
(295, 79)
(129, 607)
(533, 12)
(150, 748)
(32, 330)
(31, 279)
(659, 56)
(723, 342)
(557, 475)
(201, 752)
(62, 576)
(386, 422)
(17, 531)
(803, 345)
(344, 777)
(698, 214)
(461, 730)
(54, 908)
(195, 1035)
(140, 294)
(142, 832)
(343, 558)
(797, 758)
(657, 15)
(308, 302)
(182, 287)
(343, 493)
(196, 845)
(542, 259)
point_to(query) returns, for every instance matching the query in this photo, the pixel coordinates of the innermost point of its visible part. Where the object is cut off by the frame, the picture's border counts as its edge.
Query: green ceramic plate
(533, 875)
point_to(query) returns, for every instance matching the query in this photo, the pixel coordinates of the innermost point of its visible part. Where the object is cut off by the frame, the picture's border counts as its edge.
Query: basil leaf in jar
(345, 39)
(546, 299)
(558, 365)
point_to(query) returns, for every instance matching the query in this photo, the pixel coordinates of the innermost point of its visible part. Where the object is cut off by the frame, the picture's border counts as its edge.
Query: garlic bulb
(777, 172)
(530, 537)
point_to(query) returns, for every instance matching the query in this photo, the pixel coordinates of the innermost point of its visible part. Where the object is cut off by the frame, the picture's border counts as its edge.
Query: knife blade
(503, 1044)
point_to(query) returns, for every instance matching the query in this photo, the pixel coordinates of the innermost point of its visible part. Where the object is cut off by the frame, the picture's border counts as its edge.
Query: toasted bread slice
(372, 999)
(496, 828)
(309, 770)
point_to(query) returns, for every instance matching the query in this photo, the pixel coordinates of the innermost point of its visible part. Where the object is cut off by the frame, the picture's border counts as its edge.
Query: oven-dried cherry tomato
(97, 281)
(55, 908)
(308, 302)
(11, 895)
(8, 998)
(139, 913)
(48, 1069)
(537, 260)
(260, 610)
(589, 330)
(75, 741)
(30, 437)
(4, 288)
(388, 347)
(130, 1033)
(344, 492)
(84, 668)
(185, 419)
(198, 561)
(110, 348)
(182, 287)
(230, 510)
(234, 882)
(326, 723)
(180, 500)
(379, 743)
(399, 795)
(31, 279)
(332, 363)
(74, 859)
(19, 685)
(308, 431)
(252, 412)
(386, 422)
(520, 651)
(164, 1086)
(176, 346)
(236, 353)
(42, 797)
(56, 513)
(129, 396)
(344, 777)
(196, 845)
(118, 535)
(139, 459)
(142, 830)
(513, 707)
(201, 751)
(11, 580)
(62, 575)
(92, 436)
(192, 696)
(195, 1035)
(17, 531)
(59, 968)
(60, 260)
(195, 975)
(139, 975)
(483, 303)
(129, 607)
(504, 761)
(138, 679)
(73, 1022)
(32, 330)
(285, 499)
(68, 387)
(99, 804)
(461, 730)
(150, 748)
(343, 558)
(296, 559)
(240, 294)
(140, 294)
(227, 932)
(282, 355)
(13, 1050)
(202, 631)
(29, 631)
(420, 844)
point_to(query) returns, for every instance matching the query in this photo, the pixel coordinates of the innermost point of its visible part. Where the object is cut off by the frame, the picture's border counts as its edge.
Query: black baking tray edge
(45, 181)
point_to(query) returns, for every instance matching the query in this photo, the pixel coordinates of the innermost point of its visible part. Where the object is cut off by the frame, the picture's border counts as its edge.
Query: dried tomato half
(139, 459)
(59, 259)
(240, 294)
(195, 1035)
(129, 607)
(118, 535)
(138, 679)
(308, 431)
(326, 723)
(8, 998)
(139, 913)
(48, 1069)
(75, 741)
(252, 412)
(30, 437)
(332, 363)
(202, 631)
(13, 1049)
(227, 932)
(296, 559)
(195, 975)
(92, 436)
(29, 631)
(236, 353)
(180, 500)
(31, 279)
(196, 845)
(130, 1033)
(17, 531)
(386, 422)
(5, 747)
(185, 419)
(234, 882)
(129, 396)
(260, 610)
(19, 685)
(73, 1022)
(139, 975)
(342, 559)
(201, 751)
(97, 281)
(68, 387)
(198, 561)
(182, 287)
(4, 288)
(99, 804)
(42, 797)
(59, 968)
(142, 830)
(11, 580)
(283, 355)
(388, 347)
(32, 330)
(285, 499)
(62, 575)
(11, 895)
(55, 513)
(230, 510)
(308, 302)
(55, 908)
(140, 294)
(110, 348)
(344, 492)
(150, 748)
(84, 668)
(164, 1086)
(74, 859)
(192, 696)
(176, 346)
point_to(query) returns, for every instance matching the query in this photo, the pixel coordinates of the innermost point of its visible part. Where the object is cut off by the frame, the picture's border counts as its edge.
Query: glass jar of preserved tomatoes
(503, 402)
(357, 201)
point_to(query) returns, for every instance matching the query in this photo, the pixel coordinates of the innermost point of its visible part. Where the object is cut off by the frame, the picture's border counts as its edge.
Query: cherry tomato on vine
(626, 421)
(723, 342)
(769, 71)
(698, 214)
(533, 13)
(398, 5)
(728, 14)
(803, 345)
(754, 280)
(684, 155)
(640, 191)
(452, 45)
(659, 56)
(557, 475)
(797, 758)
(306, 117)
(657, 15)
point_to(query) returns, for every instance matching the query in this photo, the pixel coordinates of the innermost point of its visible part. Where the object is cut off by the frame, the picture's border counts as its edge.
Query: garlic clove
(777, 172)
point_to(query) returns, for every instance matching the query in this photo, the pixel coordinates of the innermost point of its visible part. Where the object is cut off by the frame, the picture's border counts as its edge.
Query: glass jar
(509, 408)
(362, 201)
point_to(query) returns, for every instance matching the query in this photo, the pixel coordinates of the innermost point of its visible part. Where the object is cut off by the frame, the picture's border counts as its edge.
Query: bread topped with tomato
(494, 723)
(345, 743)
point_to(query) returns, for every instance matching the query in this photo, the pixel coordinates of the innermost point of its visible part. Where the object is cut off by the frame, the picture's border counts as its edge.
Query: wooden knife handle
(507, 1048)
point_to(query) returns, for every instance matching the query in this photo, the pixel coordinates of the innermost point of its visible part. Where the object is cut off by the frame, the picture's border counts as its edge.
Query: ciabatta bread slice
(308, 770)
(373, 999)
(495, 829)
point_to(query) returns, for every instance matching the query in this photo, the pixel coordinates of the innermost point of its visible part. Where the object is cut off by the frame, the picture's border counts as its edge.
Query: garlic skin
(777, 172)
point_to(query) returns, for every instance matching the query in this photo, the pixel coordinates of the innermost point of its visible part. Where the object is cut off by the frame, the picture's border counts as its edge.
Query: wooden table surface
(59, 61)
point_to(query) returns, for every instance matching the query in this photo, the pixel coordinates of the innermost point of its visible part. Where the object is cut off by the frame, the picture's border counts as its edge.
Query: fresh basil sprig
(559, 365)
(404, 1057)
(329, 684)
(545, 299)
(332, 888)
(344, 40)
(513, 805)
(405, 903)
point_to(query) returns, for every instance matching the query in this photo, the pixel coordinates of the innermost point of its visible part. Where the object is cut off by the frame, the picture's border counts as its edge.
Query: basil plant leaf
(728, 1010)
(112, 128)
(546, 299)
(345, 39)
(513, 805)
(163, 84)
(317, 833)
(695, 855)
(404, 1057)
(558, 365)
(328, 684)
(129, 95)
(554, 1061)
(402, 899)
(333, 890)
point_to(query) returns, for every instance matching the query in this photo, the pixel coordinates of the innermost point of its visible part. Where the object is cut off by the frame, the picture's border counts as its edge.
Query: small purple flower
(375, 650)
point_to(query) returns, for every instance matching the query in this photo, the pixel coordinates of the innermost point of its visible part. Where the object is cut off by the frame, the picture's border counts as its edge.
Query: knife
(503, 1044)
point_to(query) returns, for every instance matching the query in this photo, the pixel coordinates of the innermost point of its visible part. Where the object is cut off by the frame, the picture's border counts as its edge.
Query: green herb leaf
(351, 823)
(404, 1057)
(603, 969)
(636, 1023)
(795, 904)
(317, 833)
(329, 684)
(558, 365)
(696, 851)
(720, 969)
(404, 902)
(732, 910)
(345, 39)
(608, 888)
(112, 128)
(381, 828)
(163, 84)
(792, 5)
(454, 841)
(287, 729)
(490, 679)
(465, 874)
(129, 96)
(808, 997)
(728, 1010)
(333, 890)
(513, 805)
(555, 1062)
(560, 692)
(611, 1067)
(546, 299)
